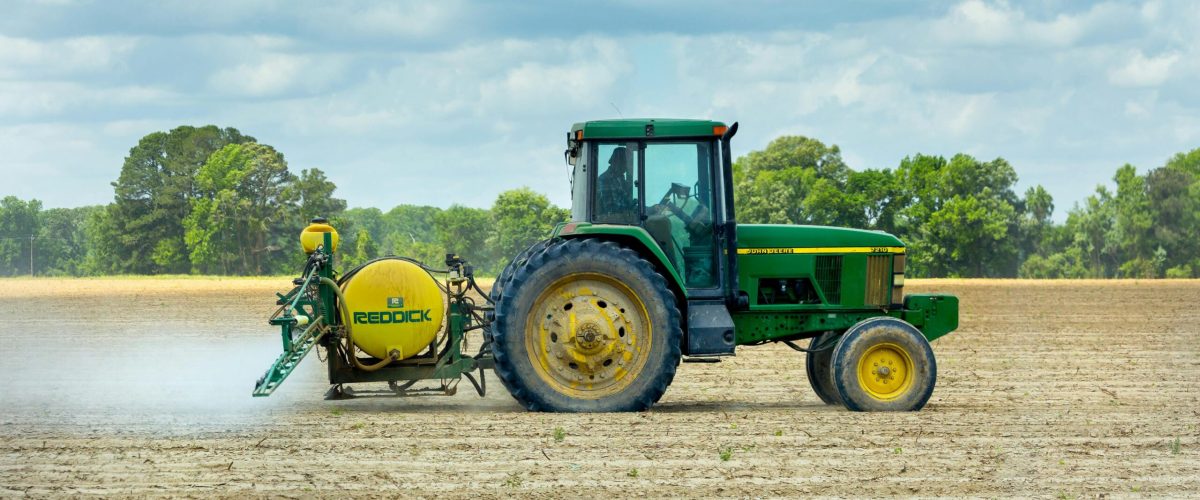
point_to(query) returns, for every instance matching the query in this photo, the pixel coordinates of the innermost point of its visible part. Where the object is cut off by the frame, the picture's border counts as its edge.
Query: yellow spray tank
(394, 307)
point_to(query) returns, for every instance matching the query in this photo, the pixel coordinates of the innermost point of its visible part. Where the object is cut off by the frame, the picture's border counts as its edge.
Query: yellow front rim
(885, 371)
(589, 335)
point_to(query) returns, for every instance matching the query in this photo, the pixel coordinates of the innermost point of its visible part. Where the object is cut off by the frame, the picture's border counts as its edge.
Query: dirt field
(1049, 389)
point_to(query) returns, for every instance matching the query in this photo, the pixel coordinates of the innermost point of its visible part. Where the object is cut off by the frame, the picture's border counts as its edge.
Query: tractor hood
(788, 236)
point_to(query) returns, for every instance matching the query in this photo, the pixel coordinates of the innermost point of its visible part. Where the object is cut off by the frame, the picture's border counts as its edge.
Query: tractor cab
(667, 178)
(668, 182)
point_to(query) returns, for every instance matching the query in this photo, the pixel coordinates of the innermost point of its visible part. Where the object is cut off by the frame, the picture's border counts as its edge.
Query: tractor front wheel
(884, 364)
(819, 366)
(586, 326)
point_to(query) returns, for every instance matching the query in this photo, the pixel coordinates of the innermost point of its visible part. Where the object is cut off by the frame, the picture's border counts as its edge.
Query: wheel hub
(592, 335)
(589, 338)
(885, 371)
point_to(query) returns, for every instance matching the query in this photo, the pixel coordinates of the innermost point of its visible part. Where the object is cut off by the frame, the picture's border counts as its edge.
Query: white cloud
(999, 24)
(421, 89)
(62, 164)
(582, 73)
(41, 99)
(22, 57)
(273, 74)
(1142, 71)
(388, 19)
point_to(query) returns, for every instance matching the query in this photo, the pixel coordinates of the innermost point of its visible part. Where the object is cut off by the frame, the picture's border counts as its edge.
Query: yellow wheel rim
(885, 371)
(589, 335)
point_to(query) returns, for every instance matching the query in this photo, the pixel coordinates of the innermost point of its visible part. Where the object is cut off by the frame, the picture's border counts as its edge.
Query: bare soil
(1049, 389)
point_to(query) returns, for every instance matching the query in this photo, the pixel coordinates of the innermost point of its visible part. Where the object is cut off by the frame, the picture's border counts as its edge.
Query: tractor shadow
(740, 406)
(502, 403)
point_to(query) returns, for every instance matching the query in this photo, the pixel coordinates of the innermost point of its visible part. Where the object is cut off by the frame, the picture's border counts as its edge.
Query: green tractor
(652, 267)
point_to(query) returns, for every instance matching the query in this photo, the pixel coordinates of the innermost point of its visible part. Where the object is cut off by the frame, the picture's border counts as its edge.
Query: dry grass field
(1049, 389)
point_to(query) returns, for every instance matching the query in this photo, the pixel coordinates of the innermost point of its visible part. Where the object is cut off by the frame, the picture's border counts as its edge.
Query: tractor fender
(634, 238)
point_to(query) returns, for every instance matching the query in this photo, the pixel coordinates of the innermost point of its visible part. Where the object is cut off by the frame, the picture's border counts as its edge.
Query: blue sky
(452, 102)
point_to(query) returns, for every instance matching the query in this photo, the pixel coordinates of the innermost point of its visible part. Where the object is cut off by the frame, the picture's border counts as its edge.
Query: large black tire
(506, 274)
(819, 366)
(530, 330)
(884, 364)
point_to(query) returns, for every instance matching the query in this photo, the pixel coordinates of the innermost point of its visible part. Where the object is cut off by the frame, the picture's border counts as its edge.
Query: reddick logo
(391, 317)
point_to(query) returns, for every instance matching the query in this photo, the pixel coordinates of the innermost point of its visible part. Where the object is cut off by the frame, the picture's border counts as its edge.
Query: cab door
(679, 209)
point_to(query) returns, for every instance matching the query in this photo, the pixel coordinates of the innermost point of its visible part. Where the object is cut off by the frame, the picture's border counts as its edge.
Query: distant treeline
(206, 200)
(961, 217)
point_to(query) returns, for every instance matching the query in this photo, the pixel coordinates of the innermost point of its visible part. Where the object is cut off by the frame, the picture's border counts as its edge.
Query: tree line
(962, 218)
(209, 200)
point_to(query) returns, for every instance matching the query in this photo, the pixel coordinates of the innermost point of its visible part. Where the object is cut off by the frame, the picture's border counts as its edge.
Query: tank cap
(319, 220)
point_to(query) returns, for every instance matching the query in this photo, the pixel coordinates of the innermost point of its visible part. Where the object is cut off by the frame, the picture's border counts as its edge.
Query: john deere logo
(395, 302)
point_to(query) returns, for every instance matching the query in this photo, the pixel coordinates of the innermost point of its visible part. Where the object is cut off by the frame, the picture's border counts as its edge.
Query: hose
(349, 335)
(829, 344)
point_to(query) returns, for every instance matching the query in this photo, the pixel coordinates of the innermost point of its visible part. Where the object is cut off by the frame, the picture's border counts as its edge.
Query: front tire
(884, 364)
(819, 367)
(586, 326)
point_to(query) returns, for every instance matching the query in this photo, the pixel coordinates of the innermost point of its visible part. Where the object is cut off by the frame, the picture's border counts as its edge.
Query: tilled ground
(141, 387)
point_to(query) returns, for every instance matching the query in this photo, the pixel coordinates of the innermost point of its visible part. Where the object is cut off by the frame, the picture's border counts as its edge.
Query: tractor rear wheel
(884, 364)
(586, 325)
(506, 275)
(819, 366)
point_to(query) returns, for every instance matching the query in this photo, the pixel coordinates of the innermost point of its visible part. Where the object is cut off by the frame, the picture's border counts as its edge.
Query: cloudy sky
(452, 102)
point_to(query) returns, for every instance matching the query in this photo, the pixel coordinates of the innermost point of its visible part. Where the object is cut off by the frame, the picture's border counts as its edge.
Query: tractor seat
(659, 227)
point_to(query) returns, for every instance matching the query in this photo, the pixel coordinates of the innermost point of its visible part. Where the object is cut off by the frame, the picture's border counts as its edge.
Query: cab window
(678, 207)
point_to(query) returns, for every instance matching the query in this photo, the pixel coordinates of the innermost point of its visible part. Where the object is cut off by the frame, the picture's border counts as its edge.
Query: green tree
(314, 194)
(960, 216)
(103, 250)
(63, 241)
(1176, 212)
(965, 237)
(521, 218)
(465, 231)
(795, 180)
(1067, 264)
(1035, 225)
(239, 222)
(1187, 162)
(19, 225)
(1092, 227)
(154, 195)
(1190, 217)
(363, 250)
(1133, 223)
(878, 195)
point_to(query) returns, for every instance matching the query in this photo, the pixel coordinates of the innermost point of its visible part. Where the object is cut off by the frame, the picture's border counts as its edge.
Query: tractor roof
(638, 128)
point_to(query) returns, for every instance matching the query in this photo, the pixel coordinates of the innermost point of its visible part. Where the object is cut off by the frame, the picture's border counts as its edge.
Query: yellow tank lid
(313, 236)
